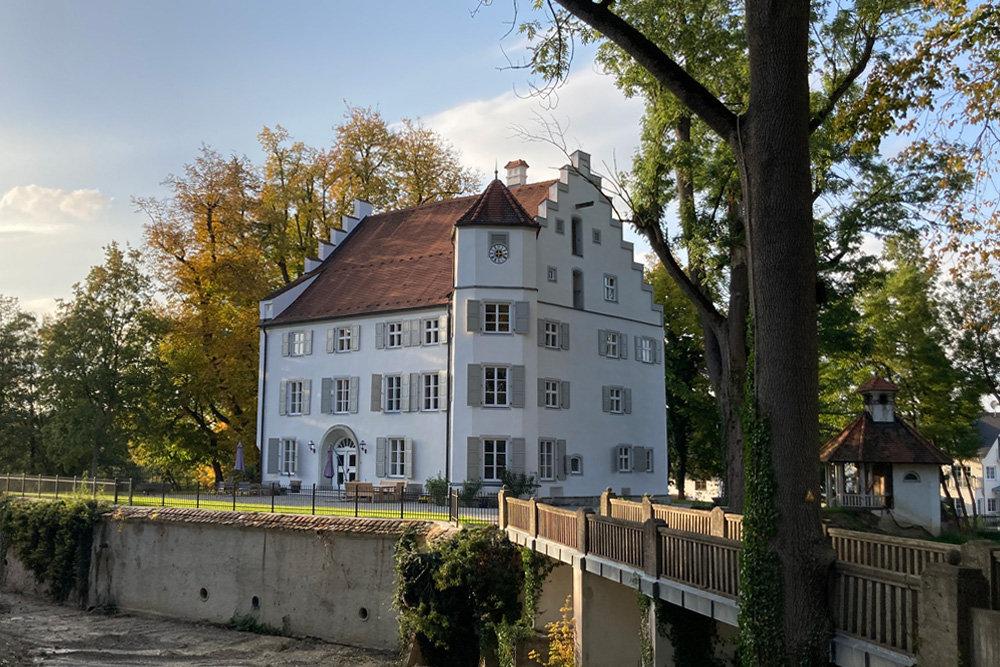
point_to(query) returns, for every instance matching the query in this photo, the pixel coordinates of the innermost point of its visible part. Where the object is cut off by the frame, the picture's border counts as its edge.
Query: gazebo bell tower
(880, 400)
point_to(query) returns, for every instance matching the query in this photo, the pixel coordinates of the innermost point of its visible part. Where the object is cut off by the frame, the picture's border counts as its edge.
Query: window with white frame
(495, 386)
(341, 395)
(547, 460)
(991, 504)
(497, 318)
(624, 458)
(613, 341)
(646, 354)
(288, 456)
(397, 457)
(610, 287)
(560, 226)
(649, 460)
(552, 274)
(700, 485)
(294, 397)
(597, 236)
(343, 339)
(394, 334)
(552, 393)
(393, 393)
(551, 334)
(991, 472)
(297, 343)
(615, 400)
(431, 392)
(432, 332)
(494, 459)
(576, 465)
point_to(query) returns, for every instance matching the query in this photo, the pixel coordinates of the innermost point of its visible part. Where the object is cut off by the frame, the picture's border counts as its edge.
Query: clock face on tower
(498, 253)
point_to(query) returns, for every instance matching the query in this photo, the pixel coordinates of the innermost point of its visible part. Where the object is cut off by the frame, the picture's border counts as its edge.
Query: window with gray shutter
(444, 396)
(376, 402)
(475, 388)
(473, 316)
(443, 328)
(283, 398)
(308, 348)
(381, 452)
(379, 335)
(408, 458)
(564, 335)
(517, 460)
(404, 394)
(627, 400)
(330, 339)
(273, 455)
(306, 396)
(472, 451)
(407, 339)
(560, 459)
(541, 332)
(355, 337)
(564, 394)
(284, 344)
(541, 392)
(416, 330)
(623, 346)
(522, 319)
(326, 396)
(414, 392)
(517, 387)
(352, 394)
(602, 342)
(606, 398)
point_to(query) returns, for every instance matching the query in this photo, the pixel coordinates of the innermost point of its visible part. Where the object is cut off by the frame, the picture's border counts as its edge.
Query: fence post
(57, 487)
(652, 552)
(356, 498)
(72, 488)
(130, 491)
(116, 490)
(582, 529)
(985, 555)
(39, 486)
(272, 497)
(502, 506)
(402, 499)
(234, 494)
(606, 502)
(197, 494)
(533, 517)
(717, 518)
(947, 595)
(23, 477)
(314, 499)
(647, 508)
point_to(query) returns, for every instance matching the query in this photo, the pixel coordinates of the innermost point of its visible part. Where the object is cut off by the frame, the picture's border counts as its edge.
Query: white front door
(345, 459)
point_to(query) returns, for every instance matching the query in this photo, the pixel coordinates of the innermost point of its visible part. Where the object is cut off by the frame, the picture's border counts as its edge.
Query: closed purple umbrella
(240, 466)
(328, 470)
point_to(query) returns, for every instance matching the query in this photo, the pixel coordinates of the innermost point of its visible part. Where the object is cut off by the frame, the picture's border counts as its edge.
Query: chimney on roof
(517, 173)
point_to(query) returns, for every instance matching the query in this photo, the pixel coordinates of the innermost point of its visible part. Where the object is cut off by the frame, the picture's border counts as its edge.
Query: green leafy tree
(98, 353)
(20, 417)
(973, 311)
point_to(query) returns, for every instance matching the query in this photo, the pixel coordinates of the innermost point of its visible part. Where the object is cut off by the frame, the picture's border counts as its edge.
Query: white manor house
(509, 331)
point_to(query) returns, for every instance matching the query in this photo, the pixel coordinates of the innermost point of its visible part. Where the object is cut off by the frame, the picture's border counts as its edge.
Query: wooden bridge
(691, 558)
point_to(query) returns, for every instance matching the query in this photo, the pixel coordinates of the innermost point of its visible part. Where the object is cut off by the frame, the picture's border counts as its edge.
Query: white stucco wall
(917, 502)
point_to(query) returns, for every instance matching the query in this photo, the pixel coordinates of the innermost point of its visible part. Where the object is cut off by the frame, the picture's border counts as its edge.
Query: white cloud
(33, 209)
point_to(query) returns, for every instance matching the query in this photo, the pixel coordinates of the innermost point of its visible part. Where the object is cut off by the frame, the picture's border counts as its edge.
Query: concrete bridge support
(607, 618)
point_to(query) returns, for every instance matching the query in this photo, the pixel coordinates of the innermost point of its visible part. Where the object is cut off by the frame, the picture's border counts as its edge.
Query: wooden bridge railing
(896, 554)
(617, 539)
(876, 605)
(715, 522)
(710, 563)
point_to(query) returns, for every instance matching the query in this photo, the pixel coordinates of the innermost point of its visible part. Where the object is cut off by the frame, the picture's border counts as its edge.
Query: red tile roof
(867, 441)
(877, 384)
(516, 163)
(404, 259)
(497, 206)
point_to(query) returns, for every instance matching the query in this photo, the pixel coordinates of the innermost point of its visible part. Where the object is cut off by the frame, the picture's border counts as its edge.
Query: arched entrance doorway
(341, 445)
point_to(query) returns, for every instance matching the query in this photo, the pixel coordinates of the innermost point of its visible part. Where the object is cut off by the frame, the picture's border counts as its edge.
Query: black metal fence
(362, 500)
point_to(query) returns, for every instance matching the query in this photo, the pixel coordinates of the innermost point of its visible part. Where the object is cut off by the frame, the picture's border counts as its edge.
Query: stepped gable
(499, 207)
(866, 441)
(403, 259)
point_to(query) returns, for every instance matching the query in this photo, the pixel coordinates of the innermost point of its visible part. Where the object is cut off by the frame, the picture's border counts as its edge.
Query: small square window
(394, 334)
(610, 287)
(597, 236)
(560, 226)
(552, 274)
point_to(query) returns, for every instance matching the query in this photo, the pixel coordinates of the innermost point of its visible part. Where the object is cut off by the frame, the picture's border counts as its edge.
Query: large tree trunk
(772, 149)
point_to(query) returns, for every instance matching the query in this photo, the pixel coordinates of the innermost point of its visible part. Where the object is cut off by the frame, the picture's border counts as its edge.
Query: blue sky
(103, 99)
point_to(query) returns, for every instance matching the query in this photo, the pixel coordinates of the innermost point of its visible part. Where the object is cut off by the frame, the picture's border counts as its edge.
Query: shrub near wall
(54, 540)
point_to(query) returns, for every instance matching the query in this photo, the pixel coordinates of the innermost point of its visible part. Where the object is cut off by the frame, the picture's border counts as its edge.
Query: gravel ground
(33, 632)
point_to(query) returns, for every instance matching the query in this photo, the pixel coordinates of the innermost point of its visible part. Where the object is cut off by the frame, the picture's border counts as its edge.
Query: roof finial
(496, 169)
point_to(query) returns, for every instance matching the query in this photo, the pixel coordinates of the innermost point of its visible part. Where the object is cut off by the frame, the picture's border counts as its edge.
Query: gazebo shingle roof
(867, 441)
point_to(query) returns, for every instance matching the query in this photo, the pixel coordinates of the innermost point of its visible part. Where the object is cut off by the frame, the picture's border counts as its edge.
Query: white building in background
(982, 474)
(466, 338)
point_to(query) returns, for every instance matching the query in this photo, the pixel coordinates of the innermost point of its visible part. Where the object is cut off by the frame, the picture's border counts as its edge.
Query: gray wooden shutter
(658, 350)
(649, 459)
(627, 400)
(376, 403)
(541, 332)
(273, 454)
(517, 459)
(443, 394)
(283, 398)
(404, 393)
(380, 457)
(606, 398)
(638, 459)
(560, 459)
(443, 329)
(306, 396)
(517, 387)
(416, 331)
(472, 458)
(331, 338)
(473, 316)
(352, 394)
(355, 337)
(602, 342)
(284, 344)
(623, 346)
(564, 394)
(415, 393)
(406, 334)
(541, 392)
(408, 458)
(379, 335)
(564, 335)
(637, 348)
(309, 343)
(475, 388)
(326, 396)
(522, 320)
